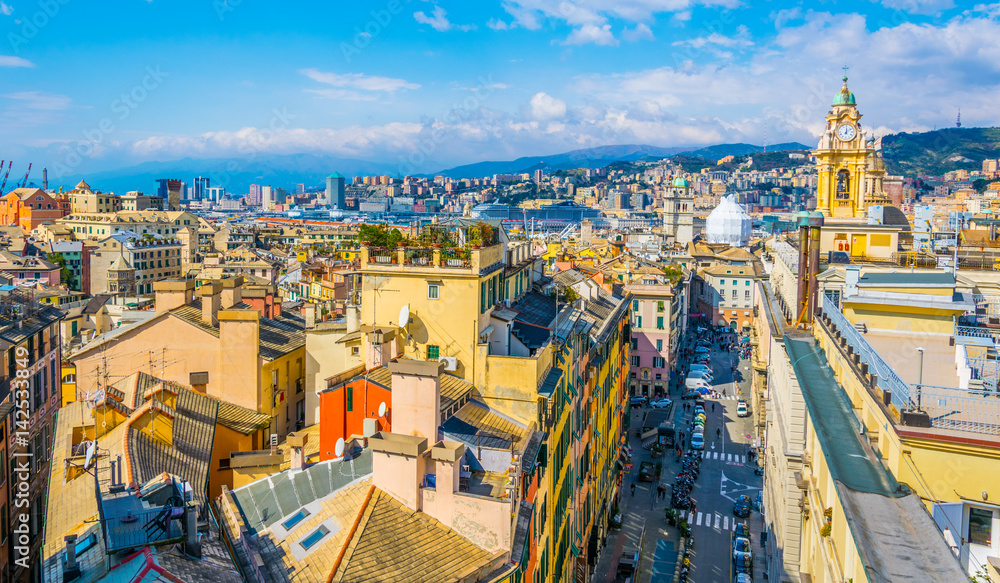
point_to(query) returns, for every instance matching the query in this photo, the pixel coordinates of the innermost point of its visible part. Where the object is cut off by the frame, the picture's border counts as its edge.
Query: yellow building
(850, 171)
(895, 356)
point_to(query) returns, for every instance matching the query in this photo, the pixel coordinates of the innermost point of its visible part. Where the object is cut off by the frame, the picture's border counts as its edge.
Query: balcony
(432, 260)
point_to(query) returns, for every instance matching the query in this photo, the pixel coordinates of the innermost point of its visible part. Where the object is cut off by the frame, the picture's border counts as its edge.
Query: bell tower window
(843, 185)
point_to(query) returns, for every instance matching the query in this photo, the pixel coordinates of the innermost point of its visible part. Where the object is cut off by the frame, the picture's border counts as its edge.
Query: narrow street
(726, 473)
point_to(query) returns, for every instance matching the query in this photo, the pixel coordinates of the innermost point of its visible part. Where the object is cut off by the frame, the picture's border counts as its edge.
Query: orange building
(30, 207)
(345, 406)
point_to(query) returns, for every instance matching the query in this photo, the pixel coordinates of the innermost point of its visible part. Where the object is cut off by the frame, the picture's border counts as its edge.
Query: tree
(981, 185)
(64, 272)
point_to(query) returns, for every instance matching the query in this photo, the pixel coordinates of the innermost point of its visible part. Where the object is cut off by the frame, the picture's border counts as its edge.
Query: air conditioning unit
(450, 363)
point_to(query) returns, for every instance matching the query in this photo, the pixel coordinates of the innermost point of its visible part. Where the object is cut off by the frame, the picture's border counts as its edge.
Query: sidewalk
(642, 511)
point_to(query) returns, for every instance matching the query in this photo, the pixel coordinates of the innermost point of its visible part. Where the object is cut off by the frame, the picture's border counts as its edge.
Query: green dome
(844, 97)
(680, 182)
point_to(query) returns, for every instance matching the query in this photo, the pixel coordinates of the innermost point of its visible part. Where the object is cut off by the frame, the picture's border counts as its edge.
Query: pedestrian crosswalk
(715, 521)
(726, 457)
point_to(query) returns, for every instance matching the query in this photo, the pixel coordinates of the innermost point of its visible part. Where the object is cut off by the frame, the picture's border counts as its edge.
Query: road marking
(725, 523)
(690, 517)
(715, 455)
(729, 457)
(717, 520)
(706, 455)
(698, 523)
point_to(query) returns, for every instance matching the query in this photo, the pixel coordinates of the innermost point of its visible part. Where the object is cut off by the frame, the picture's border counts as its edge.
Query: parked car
(638, 401)
(697, 441)
(742, 563)
(691, 395)
(743, 578)
(743, 506)
(743, 531)
(741, 545)
(700, 374)
(660, 403)
(700, 367)
(741, 408)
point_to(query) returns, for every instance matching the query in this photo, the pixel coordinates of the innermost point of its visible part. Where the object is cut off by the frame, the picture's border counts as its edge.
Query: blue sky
(93, 86)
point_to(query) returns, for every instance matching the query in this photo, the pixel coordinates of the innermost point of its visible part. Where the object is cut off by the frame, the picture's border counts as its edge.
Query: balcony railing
(156, 526)
(975, 411)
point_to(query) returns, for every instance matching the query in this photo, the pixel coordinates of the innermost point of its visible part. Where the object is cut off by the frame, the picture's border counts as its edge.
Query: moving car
(743, 506)
(691, 395)
(695, 384)
(660, 403)
(741, 408)
(697, 441)
(638, 401)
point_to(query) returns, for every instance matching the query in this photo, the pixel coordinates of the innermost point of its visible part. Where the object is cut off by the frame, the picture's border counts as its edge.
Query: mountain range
(237, 174)
(934, 153)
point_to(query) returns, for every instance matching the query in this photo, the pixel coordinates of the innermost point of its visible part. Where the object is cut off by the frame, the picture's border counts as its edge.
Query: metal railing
(962, 410)
(887, 377)
(985, 369)
(977, 332)
(975, 411)
(150, 527)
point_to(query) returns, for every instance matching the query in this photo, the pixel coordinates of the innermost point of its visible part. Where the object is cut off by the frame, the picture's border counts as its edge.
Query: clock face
(846, 132)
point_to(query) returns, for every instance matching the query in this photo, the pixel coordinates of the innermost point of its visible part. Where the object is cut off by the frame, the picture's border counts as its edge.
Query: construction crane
(2, 186)
(25, 181)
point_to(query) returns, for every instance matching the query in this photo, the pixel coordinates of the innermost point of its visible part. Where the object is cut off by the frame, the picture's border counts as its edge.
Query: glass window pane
(980, 522)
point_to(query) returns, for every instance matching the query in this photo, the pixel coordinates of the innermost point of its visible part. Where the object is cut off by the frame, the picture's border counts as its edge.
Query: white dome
(729, 223)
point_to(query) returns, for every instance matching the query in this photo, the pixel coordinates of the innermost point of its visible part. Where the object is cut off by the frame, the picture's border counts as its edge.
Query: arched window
(843, 185)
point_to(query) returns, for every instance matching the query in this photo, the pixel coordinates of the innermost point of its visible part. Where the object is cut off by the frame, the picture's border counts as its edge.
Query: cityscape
(520, 292)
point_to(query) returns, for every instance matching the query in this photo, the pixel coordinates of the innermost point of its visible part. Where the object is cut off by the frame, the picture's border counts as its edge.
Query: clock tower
(844, 160)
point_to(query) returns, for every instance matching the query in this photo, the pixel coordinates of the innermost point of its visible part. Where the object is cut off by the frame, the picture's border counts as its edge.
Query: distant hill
(235, 174)
(587, 158)
(934, 153)
(714, 153)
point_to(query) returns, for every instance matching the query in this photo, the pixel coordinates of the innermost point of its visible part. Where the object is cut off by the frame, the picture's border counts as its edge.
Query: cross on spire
(845, 72)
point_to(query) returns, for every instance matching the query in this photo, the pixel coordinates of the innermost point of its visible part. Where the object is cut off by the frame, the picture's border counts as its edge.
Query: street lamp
(920, 375)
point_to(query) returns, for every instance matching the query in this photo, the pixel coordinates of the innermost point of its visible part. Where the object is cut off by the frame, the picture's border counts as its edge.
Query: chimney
(446, 457)
(416, 397)
(398, 466)
(851, 277)
(297, 443)
(71, 570)
(173, 293)
(192, 545)
(211, 299)
(239, 339)
(309, 311)
(232, 291)
(353, 319)
(45, 178)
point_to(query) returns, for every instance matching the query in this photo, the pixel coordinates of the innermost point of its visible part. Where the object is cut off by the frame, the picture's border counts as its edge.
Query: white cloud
(6, 9)
(740, 40)
(359, 81)
(497, 24)
(41, 100)
(544, 106)
(439, 20)
(589, 18)
(8, 61)
(592, 33)
(920, 6)
(640, 32)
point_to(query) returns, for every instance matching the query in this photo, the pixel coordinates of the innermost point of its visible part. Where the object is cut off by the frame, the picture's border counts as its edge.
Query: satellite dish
(404, 316)
(381, 409)
(339, 449)
(91, 452)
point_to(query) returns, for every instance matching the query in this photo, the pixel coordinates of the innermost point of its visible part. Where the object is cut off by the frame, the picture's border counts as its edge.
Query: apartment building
(129, 263)
(89, 226)
(250, 357)
(32, 350)
(30, 207)
(725, 294)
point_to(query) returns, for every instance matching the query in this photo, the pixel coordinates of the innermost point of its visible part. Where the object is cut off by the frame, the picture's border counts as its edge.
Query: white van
(695, 384)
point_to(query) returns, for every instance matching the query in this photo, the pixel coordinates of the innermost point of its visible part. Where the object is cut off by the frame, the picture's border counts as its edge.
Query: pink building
(655, 333)
(29, 270)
